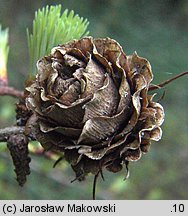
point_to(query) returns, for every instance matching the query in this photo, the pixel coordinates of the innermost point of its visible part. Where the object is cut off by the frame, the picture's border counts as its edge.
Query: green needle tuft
(4, 50)
(51, 28)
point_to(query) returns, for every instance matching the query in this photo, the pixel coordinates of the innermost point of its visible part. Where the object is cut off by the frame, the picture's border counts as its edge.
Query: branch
(8, 131)
(7, 90)
(153, 87)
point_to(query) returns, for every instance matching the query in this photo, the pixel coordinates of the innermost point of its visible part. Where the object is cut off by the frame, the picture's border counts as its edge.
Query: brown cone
(91, 103)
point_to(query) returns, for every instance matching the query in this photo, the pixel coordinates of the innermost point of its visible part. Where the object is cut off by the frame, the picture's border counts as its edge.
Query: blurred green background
(157, 30)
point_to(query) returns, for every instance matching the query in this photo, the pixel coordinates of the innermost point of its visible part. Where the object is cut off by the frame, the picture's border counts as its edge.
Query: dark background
(158, 31)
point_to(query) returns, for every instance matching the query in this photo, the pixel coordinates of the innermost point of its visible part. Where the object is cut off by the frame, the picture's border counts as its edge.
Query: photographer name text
(109, 208)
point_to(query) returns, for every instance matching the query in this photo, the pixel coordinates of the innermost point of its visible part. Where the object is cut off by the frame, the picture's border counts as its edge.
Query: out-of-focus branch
(5, 133)
(7, 90)
(160, 85)
(39, 151)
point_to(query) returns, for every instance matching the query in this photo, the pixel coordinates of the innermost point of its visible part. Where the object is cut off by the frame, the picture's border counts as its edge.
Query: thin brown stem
(94, 184)
(10, 91)
(160, 85)
(57, 161)
(5, 133)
